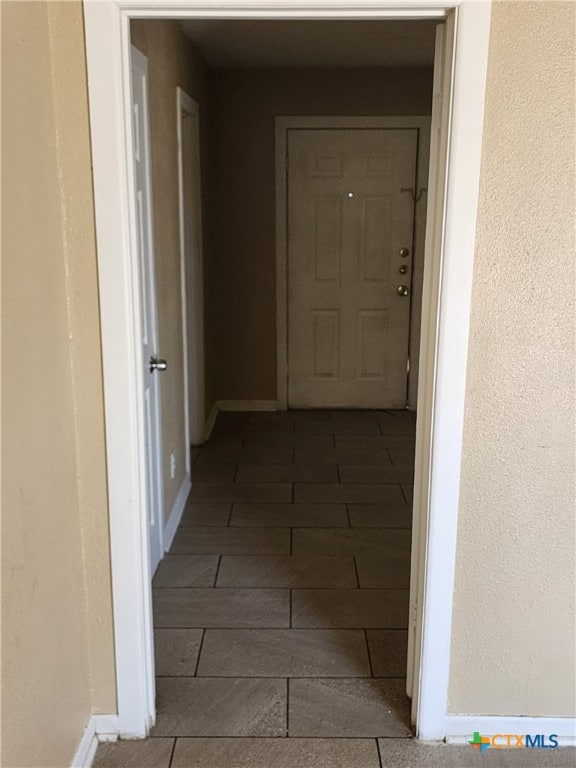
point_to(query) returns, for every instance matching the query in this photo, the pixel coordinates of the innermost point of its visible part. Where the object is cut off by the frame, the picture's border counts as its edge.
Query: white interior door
(153, 365)
(350, 228)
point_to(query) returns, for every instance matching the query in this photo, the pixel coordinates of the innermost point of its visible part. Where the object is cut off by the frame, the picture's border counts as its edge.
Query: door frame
(192, 280)
(107, 28)
(285, 124)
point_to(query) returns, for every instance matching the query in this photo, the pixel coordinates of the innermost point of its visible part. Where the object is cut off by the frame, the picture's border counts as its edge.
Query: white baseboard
(238, 405)
(176, 514)
(99, 728)
(211, 421)
(459, 728)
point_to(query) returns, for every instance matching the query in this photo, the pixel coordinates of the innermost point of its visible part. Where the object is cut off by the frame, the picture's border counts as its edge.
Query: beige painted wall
(240, 273)
(513, 636)
(172, 62)
(57, 645)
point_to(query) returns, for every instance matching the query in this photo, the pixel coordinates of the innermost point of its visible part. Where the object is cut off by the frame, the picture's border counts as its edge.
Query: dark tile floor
(287, 583)
(281, 611)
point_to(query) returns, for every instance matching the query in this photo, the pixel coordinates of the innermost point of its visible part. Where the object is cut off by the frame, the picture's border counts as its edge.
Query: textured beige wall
(57, 652)
(513, 632)
(172, 62)
(240, 275)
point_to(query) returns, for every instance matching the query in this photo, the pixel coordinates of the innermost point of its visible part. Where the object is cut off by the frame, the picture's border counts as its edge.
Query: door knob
(157, 364)
(402, 290)
(404, 252)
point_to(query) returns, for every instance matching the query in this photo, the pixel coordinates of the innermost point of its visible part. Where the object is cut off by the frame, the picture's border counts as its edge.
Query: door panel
(147, 282)
(348, 218)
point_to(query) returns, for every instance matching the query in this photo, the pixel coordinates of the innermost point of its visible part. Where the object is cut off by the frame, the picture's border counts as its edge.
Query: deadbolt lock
(404, 252)
(403, 269)
(402, 290)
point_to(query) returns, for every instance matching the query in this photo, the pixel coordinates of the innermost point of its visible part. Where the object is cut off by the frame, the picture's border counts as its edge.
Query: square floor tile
(229, 421)
(389, 569)
(221, 608)
(140, 753)
(250, 455)
(407, 753)
(276, 753)
(360, 493)
(402, 456)
(234, 541)
(220, 707)
(241, 492)
(287, 473)
(206, 513)
(370, 708)
(289, 515)
(396, 424)
(308, 414)
(212, 473)
(186, 571)
(408, 491)
(261, 440)
(229, 439)
(284, 653)
(388, 651)
(176, 651)
(356, 428)
(286, 571)
(379, 542)
(350, 608)
(380, 515)
(375, 473)
(374, 442)
(348, 456)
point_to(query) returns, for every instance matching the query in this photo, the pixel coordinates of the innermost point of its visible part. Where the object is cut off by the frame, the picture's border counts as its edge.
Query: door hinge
(408, 365)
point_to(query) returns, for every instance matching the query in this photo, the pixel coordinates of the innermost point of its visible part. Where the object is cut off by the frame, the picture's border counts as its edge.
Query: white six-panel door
(147, 281)
(350, 226)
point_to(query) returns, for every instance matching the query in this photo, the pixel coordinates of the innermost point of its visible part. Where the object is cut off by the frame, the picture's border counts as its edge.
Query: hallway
(281, 611)
(282, 607)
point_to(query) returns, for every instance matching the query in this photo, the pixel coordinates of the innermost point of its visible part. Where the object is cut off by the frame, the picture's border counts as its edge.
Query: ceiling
(313, 43)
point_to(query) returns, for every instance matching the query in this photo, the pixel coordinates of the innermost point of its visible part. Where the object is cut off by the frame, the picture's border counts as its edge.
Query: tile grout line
(319, 628)
(356, 571)
(199, 653)
(287, 707)
(379, 754)
(172, 753)
(368, 652)
(267, 588)
(408, 737)
(403, 493)
(215, 575)
(351, 676)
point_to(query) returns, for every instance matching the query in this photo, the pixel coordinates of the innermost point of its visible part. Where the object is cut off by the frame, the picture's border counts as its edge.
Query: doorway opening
(349, 222)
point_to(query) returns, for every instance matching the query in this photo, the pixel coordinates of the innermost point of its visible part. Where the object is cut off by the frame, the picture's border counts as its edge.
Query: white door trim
(283, 125)
(194, 416)
(108, 56)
